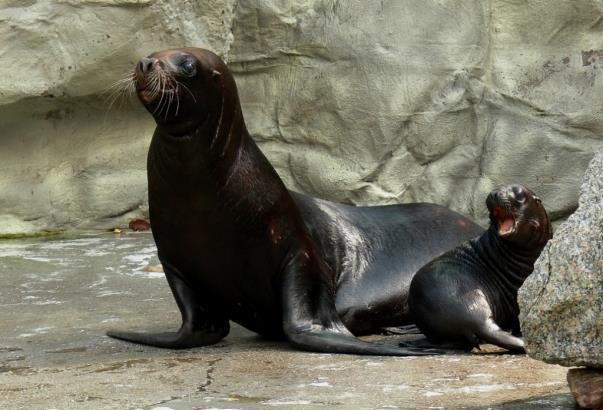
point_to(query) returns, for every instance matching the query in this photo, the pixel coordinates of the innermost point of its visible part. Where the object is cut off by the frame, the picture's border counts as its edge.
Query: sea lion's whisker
(189, 91)
(177, 97)
(168, 105)
(111, 93)
(169, 90)
(120, 83)
(131, 88)
(161, 85)
(165, 91)
(154, 84)
(175, 88)
(167, 94)
(169, 102)
(118, 90)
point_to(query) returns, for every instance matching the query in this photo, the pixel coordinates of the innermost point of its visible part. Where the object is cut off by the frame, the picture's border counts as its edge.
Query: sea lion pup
(236, 245)
(469, 294)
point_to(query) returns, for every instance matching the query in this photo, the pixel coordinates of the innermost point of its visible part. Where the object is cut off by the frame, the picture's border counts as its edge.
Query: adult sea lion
(469, 294)
(236, 245)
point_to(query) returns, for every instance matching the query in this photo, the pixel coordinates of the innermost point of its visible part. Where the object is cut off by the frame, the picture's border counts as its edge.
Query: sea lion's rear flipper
(325, 340)
(424, 343)
(490, 332)
(411, 337)
(411, 329)
(310, 320)
(198, 327)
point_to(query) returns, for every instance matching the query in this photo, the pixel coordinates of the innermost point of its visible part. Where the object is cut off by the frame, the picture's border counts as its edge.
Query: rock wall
(361, 102)
(68, 157)
(561, 303)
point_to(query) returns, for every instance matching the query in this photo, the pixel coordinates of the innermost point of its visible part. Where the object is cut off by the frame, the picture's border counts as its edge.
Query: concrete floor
(59, 296)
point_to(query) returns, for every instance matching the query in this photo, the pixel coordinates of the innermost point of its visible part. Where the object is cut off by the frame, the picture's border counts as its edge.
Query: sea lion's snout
(516, 211)
(503, 204)
(507, 196)
(511, 193)
(144, 72)
(151, 80)
(146, 64)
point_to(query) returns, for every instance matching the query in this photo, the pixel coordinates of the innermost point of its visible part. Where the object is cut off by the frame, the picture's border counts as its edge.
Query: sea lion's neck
(229, 130)
(510, 264)
(173, 159)
(219, 157)
(527, 252)
(210, 145)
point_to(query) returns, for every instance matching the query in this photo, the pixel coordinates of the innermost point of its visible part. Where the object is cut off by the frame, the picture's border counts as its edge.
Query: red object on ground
(139, 225)
(587, 387)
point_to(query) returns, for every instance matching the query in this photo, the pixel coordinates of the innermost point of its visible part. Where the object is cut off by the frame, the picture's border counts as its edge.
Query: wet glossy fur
(469, 294)
(236, 245)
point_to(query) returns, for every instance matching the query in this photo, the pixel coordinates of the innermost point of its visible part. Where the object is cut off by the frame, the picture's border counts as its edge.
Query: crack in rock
(208, 375)
(202, 388)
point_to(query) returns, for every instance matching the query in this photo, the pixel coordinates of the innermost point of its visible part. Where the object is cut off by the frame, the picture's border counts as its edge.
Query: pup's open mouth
(505, 221)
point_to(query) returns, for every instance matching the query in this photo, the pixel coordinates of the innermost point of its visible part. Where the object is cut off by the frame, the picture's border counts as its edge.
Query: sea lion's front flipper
(198, 327)
(310, 320)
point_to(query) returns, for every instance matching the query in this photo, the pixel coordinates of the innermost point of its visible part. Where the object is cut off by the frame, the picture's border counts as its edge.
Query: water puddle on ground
(40, 268)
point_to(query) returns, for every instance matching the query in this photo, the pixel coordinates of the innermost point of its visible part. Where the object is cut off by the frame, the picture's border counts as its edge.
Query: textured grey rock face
(361, 102)
(561, 303)
(406, 101)
(67, 157)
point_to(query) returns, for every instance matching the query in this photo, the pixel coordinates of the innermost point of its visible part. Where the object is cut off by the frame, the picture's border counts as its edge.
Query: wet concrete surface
(59, 296)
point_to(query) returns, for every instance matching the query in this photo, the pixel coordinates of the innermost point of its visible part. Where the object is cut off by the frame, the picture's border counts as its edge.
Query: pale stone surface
(58, 297)
(361, 102)
(561, 303)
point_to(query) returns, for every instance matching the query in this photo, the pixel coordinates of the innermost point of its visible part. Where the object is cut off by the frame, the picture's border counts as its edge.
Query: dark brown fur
(469, 294)
(236, 245)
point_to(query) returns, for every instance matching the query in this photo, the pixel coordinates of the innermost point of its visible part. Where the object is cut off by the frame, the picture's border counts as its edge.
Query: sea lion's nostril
(145, 64)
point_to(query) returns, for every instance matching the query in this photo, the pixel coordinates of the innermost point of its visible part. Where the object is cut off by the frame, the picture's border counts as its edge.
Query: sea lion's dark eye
(519, 194)
(188, 68)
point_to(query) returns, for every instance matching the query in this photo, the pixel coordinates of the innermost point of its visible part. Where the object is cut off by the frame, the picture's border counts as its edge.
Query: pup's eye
(188, 68)
(519, 194)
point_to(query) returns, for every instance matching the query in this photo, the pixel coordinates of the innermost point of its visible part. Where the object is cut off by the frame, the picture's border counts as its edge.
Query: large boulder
(561, 303)
(361, 102)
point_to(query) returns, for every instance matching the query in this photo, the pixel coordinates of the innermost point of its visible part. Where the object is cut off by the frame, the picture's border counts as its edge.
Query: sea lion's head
(184, 88)
(517, 215)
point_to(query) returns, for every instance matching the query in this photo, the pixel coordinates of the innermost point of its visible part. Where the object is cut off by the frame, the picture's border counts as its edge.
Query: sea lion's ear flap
(216, 73)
